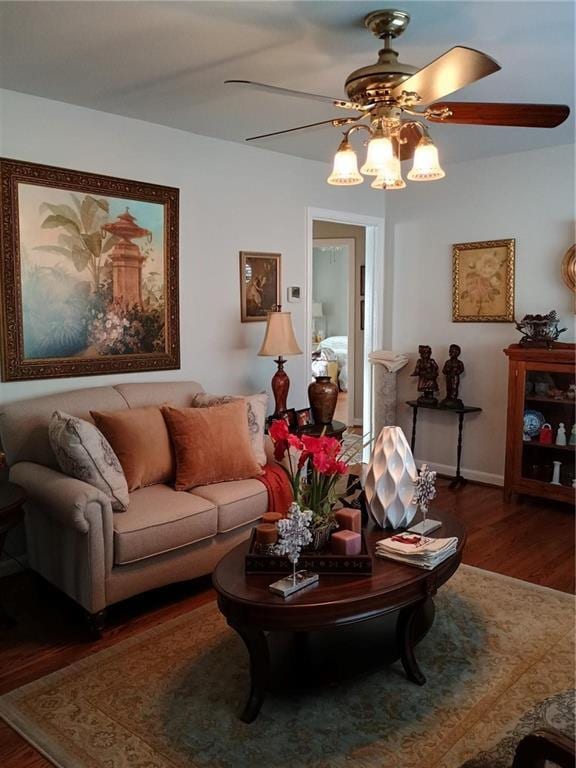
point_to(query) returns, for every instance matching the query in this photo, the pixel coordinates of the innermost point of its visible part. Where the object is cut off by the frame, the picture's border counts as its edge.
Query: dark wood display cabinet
(542, 388)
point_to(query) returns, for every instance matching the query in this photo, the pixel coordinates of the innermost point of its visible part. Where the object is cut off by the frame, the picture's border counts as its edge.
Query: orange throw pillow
(212, 445)
(140, 440)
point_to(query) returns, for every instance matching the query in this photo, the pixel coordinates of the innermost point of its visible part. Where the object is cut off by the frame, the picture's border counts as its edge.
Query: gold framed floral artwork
(483, 282)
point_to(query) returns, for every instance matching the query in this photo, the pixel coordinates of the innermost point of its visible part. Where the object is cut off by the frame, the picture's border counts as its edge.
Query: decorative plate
(533, 421)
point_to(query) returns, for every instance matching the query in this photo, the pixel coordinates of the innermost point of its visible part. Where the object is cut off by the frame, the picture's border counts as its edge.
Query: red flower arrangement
(323, 461)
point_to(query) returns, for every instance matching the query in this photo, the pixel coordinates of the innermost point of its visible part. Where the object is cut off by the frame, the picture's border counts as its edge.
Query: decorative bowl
(533, 422)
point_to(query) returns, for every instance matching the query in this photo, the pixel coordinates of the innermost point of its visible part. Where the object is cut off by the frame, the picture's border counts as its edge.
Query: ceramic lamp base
(290, 584)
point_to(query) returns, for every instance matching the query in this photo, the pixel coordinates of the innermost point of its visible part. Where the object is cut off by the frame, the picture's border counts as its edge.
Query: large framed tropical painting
(483, 281)
(88, 273)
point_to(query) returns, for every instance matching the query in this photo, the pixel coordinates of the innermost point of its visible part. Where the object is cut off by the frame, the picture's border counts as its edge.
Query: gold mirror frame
(569, 270)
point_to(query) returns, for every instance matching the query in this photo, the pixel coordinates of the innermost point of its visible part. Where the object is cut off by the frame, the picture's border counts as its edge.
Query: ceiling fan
(383, 94)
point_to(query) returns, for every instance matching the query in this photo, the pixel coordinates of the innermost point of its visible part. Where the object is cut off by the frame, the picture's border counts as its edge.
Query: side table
(415, 405)
(12, 498)
(334, 429)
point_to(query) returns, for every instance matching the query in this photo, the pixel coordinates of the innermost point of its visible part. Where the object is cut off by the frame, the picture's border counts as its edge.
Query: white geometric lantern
(391, 480)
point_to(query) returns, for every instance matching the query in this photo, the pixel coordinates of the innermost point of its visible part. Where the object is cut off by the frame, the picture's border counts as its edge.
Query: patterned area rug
(169, 698)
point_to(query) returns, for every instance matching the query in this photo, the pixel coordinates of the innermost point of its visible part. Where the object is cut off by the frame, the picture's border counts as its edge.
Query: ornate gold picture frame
(483, 282)
(259, 285)
(88, 273)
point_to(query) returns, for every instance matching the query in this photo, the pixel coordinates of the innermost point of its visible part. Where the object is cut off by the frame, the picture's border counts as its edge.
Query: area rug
(169, 698)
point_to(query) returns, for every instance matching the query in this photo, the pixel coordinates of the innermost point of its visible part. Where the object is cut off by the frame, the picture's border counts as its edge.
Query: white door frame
(350, 243)
(374, 292)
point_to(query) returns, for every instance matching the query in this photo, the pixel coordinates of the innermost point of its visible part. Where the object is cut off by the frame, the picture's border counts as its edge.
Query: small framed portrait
(259, 285)
(483, 282)
(303, 417)
(289, 416)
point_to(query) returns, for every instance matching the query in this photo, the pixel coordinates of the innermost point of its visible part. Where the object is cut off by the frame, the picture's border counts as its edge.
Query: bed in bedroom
(333, 349)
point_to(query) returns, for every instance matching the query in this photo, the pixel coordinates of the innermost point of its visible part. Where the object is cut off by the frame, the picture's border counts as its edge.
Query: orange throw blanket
(280, 494)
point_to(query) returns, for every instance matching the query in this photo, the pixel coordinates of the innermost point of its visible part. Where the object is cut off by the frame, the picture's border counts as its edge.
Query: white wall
(232, 198)
(528, 196)
(330, 288)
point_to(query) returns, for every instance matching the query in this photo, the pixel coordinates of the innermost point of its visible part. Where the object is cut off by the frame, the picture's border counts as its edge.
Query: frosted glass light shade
(426, 166)
(279, 338)
(345, 169)
(390, 176)
(379, 151)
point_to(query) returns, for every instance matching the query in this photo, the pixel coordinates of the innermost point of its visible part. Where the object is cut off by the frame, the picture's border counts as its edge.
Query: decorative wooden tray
(323, 561)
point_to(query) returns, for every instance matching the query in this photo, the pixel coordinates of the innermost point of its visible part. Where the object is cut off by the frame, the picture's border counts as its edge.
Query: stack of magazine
(417, 550)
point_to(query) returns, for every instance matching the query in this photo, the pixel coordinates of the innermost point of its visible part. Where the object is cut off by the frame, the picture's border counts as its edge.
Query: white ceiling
(165, 62)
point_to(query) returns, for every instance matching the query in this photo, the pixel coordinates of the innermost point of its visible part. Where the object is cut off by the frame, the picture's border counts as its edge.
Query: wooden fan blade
(289, 92)
(479, 113)
(453, 70)
(336, 121)
(412, 136)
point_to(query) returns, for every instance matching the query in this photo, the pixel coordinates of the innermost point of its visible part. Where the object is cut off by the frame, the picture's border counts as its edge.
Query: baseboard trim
(9, 566)
(470, 474)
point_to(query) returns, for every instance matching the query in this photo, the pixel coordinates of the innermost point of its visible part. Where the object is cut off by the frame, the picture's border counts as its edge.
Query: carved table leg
(405, 636)
(257, 645)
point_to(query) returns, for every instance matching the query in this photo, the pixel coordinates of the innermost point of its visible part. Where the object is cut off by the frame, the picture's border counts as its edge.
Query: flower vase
(391, 480)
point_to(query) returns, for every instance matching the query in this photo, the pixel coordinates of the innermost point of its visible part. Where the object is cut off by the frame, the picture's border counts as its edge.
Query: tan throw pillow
(140, 440)
(83, 452)
(212, 445)
(256, 406)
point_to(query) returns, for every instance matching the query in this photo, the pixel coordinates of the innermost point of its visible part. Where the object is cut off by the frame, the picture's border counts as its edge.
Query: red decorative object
(546, 435)
(271, 517)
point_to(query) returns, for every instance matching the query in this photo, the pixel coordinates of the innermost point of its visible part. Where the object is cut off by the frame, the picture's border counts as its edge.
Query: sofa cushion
(212, 445)
(256, 407)
(239, 502)
(159, 520)
(140, 440)
(83, 452)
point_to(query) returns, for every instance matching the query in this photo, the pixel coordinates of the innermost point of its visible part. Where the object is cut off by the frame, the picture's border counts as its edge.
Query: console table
(461, 412)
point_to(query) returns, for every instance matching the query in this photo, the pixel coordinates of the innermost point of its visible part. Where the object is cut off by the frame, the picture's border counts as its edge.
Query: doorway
(335, 330)
(373, 331)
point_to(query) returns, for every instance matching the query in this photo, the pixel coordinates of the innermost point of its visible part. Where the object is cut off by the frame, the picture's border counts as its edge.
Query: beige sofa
(99, 557)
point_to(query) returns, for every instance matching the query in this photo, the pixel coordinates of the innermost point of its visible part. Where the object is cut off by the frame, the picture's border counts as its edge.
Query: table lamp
(279, 340)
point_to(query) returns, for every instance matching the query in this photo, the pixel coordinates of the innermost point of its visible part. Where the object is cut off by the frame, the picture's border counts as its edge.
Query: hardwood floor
(528, 539)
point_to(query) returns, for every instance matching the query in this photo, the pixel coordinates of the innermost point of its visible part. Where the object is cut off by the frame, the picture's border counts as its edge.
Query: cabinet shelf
(553, 446)
(555, 400)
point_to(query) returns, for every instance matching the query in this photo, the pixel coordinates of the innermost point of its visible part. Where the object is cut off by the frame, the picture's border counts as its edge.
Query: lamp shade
(317, 310)
(426, 166)
(345, 169)
(279, 339)
(379, 151)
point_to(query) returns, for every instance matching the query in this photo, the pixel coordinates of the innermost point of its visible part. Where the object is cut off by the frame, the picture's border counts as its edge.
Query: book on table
(413, 549)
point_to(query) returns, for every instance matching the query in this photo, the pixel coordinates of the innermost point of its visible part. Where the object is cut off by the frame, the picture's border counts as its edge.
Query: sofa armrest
(66, 499)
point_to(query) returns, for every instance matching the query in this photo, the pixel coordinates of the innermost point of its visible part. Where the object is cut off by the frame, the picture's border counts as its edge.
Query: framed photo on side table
(88, 273)
(259, 285)
(483, 282)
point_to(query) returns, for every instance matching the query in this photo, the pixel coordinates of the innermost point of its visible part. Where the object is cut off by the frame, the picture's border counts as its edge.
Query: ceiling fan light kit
(383, 93)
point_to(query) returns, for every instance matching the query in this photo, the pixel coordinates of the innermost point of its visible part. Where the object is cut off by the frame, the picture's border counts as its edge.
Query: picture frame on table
(259, 285)
(303, 417)
(88, 273)
(483, 281)
(289, 416)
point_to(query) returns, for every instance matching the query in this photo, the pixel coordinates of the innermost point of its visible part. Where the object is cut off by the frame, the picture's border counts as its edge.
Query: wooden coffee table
(401, 593)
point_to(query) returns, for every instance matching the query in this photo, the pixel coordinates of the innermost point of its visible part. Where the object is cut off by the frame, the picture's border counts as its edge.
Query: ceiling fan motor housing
(377, 80)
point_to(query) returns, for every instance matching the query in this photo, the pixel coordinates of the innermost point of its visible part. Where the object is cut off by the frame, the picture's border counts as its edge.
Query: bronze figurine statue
(453, 369)
(427, 372)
